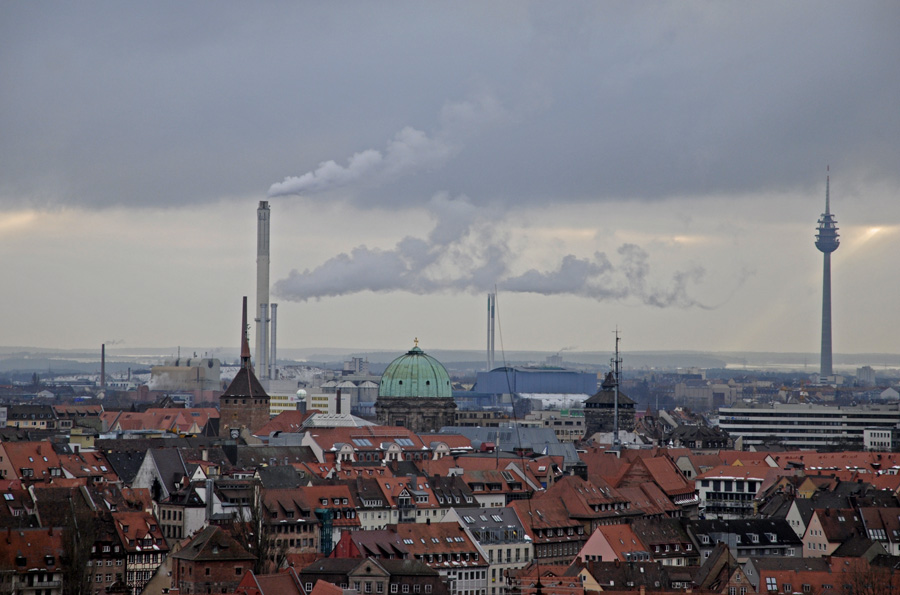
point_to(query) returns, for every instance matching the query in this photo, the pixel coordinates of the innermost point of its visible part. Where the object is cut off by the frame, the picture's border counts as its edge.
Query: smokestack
(262, 336)
(102, 366)
(272, 315)
(262, 286)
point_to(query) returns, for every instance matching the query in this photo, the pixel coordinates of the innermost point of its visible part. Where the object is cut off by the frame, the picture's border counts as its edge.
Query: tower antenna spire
(617, 446)
(827, 241)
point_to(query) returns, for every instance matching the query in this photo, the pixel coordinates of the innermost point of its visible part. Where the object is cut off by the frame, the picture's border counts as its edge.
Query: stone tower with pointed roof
(244, 405)
(415, 393)
(599, 410)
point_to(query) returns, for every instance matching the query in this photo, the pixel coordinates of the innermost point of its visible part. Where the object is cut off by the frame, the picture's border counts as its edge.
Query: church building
(415, 393)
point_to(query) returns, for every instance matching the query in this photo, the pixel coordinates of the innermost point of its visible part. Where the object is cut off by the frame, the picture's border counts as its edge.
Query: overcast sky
(656, 167)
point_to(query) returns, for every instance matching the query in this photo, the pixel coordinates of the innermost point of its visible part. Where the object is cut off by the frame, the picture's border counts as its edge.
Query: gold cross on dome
(416, 341)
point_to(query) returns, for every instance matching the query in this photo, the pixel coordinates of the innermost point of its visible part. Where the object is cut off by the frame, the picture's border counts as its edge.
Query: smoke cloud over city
(410, 150)
(463, 253)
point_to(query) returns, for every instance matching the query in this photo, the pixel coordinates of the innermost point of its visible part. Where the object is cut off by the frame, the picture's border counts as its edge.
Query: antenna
(617, 447)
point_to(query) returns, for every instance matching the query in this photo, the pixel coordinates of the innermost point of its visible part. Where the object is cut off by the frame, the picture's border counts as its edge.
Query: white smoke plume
(410, 150)
(463, 253)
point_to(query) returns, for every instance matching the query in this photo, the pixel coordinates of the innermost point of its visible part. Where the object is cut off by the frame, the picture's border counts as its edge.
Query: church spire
(245, 343)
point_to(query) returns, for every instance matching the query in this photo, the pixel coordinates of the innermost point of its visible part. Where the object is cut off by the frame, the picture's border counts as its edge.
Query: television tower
(827, 242)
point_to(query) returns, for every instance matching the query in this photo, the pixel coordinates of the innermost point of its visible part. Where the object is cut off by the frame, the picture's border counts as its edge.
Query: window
(406, 588)
(771, 585)
(394, 588)
(309, 587)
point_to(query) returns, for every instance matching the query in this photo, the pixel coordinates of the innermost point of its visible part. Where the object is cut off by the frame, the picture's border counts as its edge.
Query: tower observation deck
(827, 241)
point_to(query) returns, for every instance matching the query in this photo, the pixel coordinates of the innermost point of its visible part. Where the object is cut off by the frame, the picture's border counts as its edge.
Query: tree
(79, 535)
(250, 528)
(864, 579)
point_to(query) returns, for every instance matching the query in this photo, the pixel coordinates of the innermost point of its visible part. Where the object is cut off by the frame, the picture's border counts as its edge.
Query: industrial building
(553, 388)
(187, 374)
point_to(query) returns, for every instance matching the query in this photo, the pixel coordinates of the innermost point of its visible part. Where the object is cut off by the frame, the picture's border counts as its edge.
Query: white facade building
(806, 425)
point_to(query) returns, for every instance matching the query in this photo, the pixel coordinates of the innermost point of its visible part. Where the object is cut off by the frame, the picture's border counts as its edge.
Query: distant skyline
(659, 168)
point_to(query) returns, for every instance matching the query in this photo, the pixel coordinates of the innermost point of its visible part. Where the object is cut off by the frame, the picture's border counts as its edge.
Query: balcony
(43, 584)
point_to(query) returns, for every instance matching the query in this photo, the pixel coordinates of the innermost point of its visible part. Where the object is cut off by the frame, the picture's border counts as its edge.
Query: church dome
(415, 374)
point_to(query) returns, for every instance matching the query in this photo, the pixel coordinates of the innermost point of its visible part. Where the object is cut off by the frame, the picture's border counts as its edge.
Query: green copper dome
(415, 375)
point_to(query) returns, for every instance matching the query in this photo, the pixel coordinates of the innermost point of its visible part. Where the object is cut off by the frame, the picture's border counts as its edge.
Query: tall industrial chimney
(102, 366)
(273, 308)
(491, 317)
(262, 288)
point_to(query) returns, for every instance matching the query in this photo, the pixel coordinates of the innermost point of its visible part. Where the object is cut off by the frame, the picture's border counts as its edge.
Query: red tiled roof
(325, 588)
(286, 421)
(24, 550)
(134, 527)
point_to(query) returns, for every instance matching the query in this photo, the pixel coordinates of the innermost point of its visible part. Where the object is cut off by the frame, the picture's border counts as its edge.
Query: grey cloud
(162, 104)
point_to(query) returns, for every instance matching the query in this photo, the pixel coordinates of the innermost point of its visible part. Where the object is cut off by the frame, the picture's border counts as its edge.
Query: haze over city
(659, 168)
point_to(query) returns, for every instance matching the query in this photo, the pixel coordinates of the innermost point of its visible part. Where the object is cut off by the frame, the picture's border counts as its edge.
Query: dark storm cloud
(170, 103)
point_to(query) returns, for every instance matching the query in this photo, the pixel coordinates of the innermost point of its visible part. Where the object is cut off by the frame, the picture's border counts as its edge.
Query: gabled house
(828, 529)
(144, 545)
(212, 561)
(721, 573)
(663, 472)
(557, 537)
(882, 525)
(614, 543)
(667, 541)
(591, 504)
